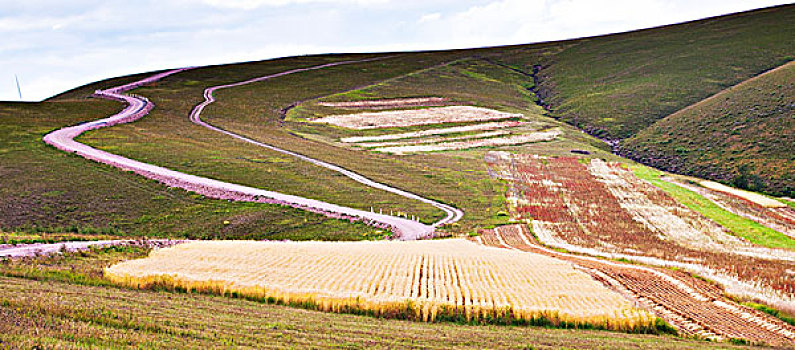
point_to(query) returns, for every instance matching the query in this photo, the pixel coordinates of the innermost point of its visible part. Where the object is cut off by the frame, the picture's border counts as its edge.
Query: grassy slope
(614, 86)
(63, 302)
(743, 136)
(459, 178)
(166, 137)
(740, 226)
(629, 77)
(60, 315)
(45, 189)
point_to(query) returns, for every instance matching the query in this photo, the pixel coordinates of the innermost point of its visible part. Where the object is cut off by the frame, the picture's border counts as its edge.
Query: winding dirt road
(452, 214)
(138, 107)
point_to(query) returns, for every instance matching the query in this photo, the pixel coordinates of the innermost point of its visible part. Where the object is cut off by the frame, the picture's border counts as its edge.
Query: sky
(51, 46)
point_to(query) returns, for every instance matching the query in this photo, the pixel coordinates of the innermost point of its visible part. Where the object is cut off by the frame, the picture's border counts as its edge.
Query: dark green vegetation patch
(743, 136)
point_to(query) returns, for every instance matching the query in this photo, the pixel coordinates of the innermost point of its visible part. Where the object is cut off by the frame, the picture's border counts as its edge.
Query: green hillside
(615, 86)
(47, 190)
(744, 136)
(708, 98)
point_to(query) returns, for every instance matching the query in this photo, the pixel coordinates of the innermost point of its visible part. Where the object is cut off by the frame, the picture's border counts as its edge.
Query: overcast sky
(56, 45)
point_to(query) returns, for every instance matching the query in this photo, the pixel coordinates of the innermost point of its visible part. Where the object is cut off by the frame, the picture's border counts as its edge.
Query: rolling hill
(710, 98)
(742, 136)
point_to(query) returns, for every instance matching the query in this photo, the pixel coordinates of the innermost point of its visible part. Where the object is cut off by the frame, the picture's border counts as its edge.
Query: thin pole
(19, 90)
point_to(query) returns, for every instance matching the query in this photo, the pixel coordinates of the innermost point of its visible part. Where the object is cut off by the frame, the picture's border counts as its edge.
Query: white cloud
(253, 4)
(430, 17)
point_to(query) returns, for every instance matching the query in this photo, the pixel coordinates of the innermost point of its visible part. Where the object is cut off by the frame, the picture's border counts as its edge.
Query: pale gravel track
(138, 107)
(452, 214)
(38, 249)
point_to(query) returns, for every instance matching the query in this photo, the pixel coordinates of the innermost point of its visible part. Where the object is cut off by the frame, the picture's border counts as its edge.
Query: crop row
(603, 209)
(422, 280)
(693, 306)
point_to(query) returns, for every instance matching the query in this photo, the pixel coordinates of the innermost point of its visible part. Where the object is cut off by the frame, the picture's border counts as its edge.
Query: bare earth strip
(429, 132)
(693, 306)
(412, 229)
(433, 140)
(138, 107)
(412, 117)
(540, 136)
(422, 278)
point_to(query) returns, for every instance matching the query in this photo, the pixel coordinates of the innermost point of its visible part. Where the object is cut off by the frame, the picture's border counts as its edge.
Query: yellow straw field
(421, 280)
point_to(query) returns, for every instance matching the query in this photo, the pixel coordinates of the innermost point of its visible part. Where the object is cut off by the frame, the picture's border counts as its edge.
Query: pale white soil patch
(459, 145)
(429, 132)
(753, 197)
(411, 117)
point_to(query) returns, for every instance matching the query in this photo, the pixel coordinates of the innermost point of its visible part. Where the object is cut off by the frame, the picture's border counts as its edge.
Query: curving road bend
(138, 107)
(452, 214)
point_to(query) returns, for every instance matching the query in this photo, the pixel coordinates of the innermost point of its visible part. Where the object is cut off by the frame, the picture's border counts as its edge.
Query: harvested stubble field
(422, 280)
(602, 209)
(694, 306)
(467, 81)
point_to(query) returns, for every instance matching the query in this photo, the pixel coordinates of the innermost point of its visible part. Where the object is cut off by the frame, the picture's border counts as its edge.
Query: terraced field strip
(415, 117)
(391, 103)
(410, 230)
(695, 307)
(431, 132)
(749, 196)
(511, 140)
(137, 107)
(603, 209)
(421, 280)
(779, 218)
(433, 140)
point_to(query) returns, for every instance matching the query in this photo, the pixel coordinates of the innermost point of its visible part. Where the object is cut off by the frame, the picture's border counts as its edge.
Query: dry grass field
(422, 280)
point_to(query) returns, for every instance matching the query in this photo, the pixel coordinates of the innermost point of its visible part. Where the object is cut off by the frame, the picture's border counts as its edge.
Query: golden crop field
(421, 280)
